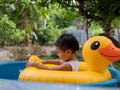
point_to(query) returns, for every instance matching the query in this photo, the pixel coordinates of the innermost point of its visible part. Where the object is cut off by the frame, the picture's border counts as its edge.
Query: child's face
(62, 55)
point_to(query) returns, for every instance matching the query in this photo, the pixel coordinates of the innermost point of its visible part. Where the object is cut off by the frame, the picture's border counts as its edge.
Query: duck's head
(99, 52)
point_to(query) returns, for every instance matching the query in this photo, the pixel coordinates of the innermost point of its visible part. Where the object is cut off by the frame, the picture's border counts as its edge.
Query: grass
(117, 65)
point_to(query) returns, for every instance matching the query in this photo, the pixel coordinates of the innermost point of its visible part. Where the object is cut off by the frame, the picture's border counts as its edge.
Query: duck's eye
(95, 45)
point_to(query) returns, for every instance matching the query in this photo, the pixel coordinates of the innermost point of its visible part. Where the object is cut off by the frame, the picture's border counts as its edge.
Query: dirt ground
(5, 52)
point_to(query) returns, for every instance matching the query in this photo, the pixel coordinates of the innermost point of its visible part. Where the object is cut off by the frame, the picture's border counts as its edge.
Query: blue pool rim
(10, 71)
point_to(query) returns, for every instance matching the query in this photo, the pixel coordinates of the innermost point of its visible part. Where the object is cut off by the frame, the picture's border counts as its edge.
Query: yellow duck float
(98, 52)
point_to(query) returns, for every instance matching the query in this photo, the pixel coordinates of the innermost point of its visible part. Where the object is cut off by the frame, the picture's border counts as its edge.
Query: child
(66, 46)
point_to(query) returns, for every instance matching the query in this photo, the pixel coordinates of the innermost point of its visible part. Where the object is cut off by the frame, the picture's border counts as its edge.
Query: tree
(9, 34)
(102, 11)
(116, 25)
(22, 12)
(56, 18)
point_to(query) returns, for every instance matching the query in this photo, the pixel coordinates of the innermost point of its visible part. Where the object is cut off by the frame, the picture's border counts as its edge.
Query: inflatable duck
(98, 52)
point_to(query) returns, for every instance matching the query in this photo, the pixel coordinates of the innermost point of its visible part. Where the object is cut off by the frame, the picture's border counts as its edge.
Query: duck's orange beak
(111, 53)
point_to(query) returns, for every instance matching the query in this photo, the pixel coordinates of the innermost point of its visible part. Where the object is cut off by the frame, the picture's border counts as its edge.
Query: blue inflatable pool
(9, 72)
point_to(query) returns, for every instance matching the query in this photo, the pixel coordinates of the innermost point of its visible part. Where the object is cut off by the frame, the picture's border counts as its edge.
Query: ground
(5, 52)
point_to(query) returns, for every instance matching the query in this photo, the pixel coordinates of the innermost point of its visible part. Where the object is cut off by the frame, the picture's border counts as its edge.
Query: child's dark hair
(67, 41)
(116, 43)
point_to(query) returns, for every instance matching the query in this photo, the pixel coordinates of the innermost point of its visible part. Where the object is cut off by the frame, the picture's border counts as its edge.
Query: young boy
(66, 46)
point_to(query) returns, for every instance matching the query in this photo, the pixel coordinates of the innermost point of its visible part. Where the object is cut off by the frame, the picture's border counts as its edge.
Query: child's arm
(62, 67)
(57, 62)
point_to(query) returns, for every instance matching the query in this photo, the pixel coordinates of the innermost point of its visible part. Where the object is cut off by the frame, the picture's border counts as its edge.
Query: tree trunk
(44, 23)
(86, 30)
(108, 30)
(88, 23)
(118, 34)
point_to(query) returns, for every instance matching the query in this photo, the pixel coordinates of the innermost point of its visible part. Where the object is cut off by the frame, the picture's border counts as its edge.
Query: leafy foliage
(30, 16)
(36, 50)
(48, 35)
(116, 23)
(62, 17)
(19, 54)
(103, 11)
(9, 34)
(23, 13)
(38, 15)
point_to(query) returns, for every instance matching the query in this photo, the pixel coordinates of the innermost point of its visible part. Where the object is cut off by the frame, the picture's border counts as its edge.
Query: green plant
(117, 65)
(36, 50)
(47, 36)
(54, 54)
(19, 54)
(9, 34)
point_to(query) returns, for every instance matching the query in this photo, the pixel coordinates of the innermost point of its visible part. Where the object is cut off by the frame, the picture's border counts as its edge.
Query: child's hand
(37, 65)
(34, 63)
(44, 61)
